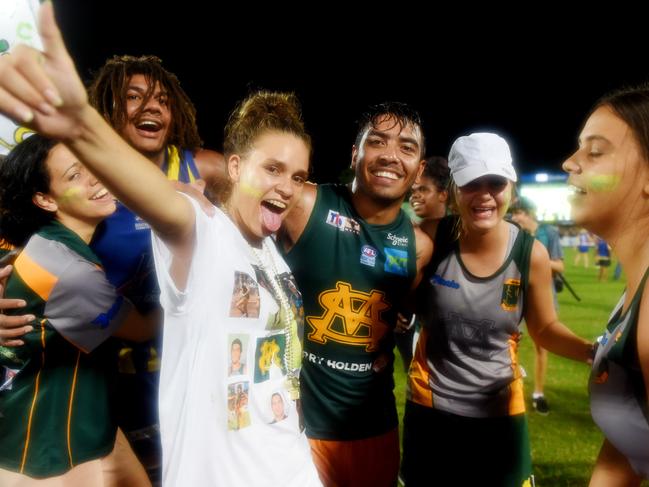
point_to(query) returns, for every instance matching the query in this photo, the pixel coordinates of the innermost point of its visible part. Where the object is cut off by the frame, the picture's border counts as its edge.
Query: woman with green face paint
(57, 421)
(485, 276)
(610, 175)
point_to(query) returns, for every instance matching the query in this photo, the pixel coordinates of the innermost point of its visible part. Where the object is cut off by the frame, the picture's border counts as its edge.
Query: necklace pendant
(293, 387)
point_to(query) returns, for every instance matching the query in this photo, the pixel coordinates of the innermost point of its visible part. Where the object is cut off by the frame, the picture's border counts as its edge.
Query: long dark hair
(631, 104)
(24, 173)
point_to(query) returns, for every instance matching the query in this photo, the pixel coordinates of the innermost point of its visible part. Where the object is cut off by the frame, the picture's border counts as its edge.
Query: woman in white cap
(465, 384)
(610, 174)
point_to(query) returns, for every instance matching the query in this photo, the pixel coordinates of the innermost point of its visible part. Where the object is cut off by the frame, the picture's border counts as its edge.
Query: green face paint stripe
(603, 183)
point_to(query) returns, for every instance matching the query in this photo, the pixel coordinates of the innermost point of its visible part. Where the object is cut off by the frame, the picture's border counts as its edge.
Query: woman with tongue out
(485, 276)
(201, 263)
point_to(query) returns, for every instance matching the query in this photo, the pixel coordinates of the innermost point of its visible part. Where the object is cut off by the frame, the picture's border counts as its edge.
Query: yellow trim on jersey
(173, 166)
(37, 278)
(419, 390)
(33, 406)
(516, 394)
(72, 390)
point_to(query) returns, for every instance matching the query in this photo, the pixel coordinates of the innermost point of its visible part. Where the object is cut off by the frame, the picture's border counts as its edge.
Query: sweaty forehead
(393, 127)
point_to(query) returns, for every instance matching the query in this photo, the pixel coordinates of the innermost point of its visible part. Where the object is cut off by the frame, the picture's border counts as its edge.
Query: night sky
(514, 82)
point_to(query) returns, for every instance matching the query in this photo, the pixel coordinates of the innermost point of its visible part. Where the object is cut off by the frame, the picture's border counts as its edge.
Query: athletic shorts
(603, 262)
(441, 448)
(119, 468)
(370, 462)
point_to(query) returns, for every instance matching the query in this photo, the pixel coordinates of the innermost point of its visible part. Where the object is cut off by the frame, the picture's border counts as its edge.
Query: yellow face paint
(250, 190)
(73, 193)
(248, 185)
(603, 183)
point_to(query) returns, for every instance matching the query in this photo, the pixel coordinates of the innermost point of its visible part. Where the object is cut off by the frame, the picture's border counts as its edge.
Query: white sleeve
(172, 299)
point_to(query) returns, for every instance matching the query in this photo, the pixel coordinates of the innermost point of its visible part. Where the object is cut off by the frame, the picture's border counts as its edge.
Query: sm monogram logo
(350, 317)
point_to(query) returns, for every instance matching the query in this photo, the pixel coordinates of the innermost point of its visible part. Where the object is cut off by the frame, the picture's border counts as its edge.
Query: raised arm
(295, 222)
(44, 92)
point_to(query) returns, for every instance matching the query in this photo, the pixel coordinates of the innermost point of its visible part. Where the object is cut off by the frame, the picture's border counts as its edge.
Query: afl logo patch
(368, 255)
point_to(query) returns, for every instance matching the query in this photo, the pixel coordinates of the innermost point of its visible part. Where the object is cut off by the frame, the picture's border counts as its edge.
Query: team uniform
(123, 243)
(548, 235)
(218, 427)
(583, 245)
(603, 258)
(353, 276)
(465, 387)
(618, 399)
(55, 408)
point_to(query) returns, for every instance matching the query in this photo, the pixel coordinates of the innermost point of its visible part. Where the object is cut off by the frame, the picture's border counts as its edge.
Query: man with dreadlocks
(368, 258)
(147, 106)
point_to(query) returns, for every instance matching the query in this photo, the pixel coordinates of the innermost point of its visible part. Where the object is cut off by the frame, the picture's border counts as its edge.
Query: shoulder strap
(521, 254)
(445, 242)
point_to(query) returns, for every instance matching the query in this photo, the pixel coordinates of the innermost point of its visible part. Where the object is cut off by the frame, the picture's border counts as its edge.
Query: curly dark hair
(436, 169)
(108, 95)
(402, 113)
(24, 173)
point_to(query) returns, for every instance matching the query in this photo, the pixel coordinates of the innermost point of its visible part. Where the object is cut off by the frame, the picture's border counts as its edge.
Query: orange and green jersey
(54, 390)
(466, 360)
(353, 277)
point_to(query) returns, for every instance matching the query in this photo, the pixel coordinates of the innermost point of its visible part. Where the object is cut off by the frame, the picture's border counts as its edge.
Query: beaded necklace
(293, 349)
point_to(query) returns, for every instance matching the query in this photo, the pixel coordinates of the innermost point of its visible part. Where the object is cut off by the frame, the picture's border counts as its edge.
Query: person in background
(602, 258)
(584, 242)
(428, 200)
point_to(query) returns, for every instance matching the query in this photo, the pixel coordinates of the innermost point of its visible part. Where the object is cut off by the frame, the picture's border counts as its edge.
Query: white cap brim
(466, 175)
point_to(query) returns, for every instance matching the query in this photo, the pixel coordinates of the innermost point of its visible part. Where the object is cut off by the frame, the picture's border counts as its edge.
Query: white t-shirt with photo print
(218, 428)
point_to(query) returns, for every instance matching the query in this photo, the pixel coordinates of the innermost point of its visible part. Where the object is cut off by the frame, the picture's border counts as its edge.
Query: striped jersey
(466, 361)
(54, 390)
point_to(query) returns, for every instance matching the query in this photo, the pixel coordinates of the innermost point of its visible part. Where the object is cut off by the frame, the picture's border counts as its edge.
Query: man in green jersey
(356, 256)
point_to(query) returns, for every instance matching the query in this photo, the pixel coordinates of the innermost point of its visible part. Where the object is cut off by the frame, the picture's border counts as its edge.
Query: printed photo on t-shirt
(237, 352)
(269, 355)
(279, 407)
(245, 297)
(238, 413)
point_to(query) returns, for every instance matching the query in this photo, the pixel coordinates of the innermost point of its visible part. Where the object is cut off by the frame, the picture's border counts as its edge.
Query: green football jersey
(54, 390)
(353, 277)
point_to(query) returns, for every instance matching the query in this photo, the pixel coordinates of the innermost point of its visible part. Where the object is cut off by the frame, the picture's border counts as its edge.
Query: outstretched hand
(42, 90)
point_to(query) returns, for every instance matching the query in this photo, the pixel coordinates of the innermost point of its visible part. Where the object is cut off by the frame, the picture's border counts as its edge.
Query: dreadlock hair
(108, 95)
(23, 173)
(402, 114)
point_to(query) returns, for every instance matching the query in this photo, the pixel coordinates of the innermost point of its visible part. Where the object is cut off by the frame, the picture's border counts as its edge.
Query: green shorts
(441, 448)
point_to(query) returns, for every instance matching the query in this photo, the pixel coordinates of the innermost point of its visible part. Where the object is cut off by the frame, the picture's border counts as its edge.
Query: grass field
(566, 442)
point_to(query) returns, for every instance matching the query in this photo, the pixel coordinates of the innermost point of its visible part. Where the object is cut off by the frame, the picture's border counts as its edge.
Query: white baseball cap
(480, 154)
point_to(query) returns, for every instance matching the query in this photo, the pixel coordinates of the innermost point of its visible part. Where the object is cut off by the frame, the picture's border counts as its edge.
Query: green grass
(566, 442)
